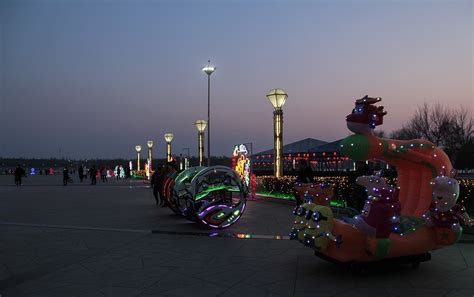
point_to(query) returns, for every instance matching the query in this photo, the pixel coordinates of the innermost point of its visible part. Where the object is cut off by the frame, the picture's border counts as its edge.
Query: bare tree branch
(451, 129)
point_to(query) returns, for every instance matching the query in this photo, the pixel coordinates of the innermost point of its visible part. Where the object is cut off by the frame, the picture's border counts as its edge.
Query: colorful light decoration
(241, 163)
(277, 98)
(319, 161)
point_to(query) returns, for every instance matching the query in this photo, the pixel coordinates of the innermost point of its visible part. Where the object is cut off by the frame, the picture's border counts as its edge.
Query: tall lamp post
(209, 69)
(138, 149)
(149, 143)
(277, 98)
(186, 159)
(201, 126)
(168, 138)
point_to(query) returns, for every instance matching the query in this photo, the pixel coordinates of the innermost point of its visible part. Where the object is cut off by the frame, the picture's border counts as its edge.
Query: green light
(216, 188)
(338, 203)
(276, 195)
(236, 212)
(220, 215)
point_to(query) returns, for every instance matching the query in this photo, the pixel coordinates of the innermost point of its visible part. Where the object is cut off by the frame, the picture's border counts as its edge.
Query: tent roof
(334, 146)
(301, 146)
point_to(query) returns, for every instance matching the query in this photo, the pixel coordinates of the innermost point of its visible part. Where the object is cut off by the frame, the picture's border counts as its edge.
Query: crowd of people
(120, 172)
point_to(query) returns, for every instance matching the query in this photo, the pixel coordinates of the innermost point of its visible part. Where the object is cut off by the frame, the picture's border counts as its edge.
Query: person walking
(19, 173)
(156, 182)
(305, 176)
(93, 174)
(80, 170)
(65, 176)
(103, 174)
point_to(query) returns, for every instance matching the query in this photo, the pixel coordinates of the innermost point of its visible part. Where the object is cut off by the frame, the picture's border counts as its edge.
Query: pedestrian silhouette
(103, 174)
(65, 176)
(93, 175)
(80, 170)
(19, 173)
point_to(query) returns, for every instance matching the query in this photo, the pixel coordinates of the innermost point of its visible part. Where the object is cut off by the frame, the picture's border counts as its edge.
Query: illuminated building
(320, 155)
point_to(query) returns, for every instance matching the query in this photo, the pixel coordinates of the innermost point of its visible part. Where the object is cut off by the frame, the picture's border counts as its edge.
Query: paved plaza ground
(112, 240)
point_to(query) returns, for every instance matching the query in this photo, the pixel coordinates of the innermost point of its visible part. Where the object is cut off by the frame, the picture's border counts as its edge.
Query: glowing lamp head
(277, 98)
(208, 69)
(169, 137)
(149, 143)
(138, 148)
(200, 125)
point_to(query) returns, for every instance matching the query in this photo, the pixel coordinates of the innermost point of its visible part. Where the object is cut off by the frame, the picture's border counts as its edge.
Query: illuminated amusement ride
(402, 222)
(213, 196)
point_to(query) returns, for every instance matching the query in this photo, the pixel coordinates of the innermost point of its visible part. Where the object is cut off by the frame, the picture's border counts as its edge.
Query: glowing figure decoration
(299, 224)
(121, 172)
(318, 231)
(381, 213)
(444, 211)
(241, 163)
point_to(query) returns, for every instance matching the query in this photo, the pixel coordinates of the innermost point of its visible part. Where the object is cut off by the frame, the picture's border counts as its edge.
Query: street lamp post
(186, 159)
(201, 126)
(138, 149)
(168, 138)
(209, 69)
(277, 98)
(149, 143)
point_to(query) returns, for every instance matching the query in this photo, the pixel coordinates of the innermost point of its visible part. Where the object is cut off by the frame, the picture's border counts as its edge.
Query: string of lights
(283, 188)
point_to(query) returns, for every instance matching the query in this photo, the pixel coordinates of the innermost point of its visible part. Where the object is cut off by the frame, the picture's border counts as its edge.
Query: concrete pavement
(111, 240)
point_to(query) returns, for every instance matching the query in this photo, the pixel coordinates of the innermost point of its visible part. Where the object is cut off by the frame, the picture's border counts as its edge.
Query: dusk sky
(95, 78)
